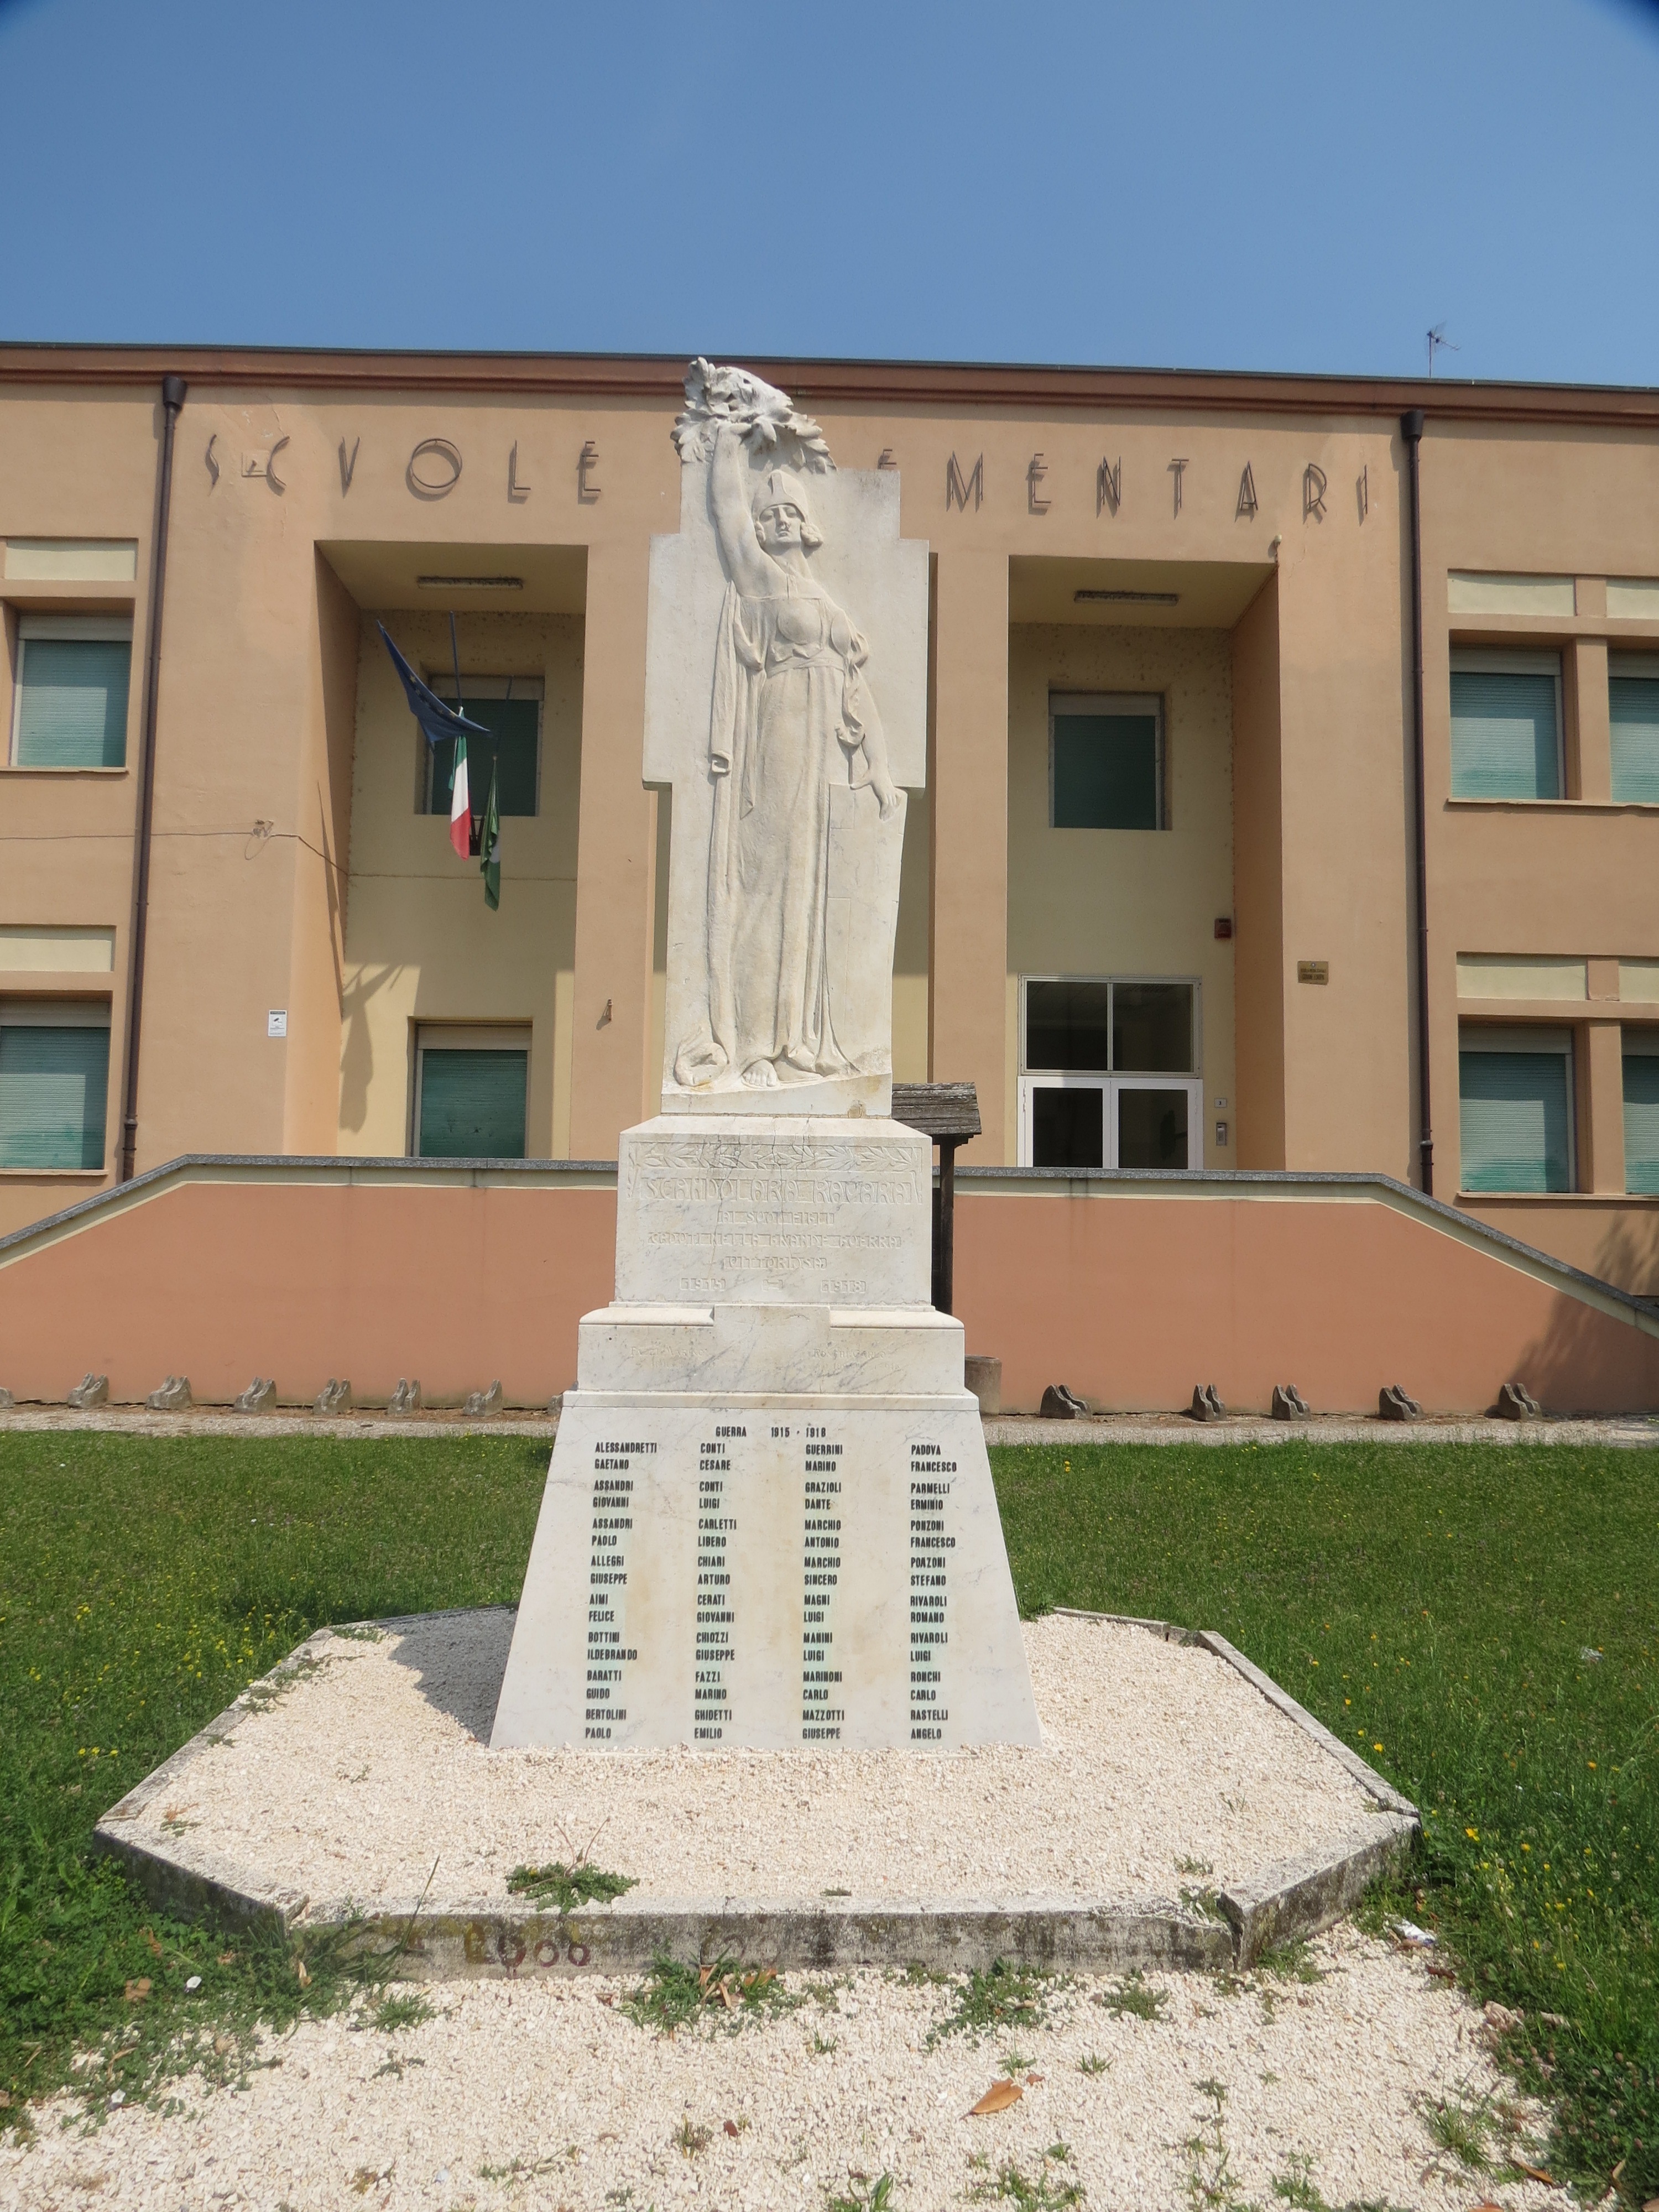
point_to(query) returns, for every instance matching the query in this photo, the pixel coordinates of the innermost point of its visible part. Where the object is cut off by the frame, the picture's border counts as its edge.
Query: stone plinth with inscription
(769, 1518)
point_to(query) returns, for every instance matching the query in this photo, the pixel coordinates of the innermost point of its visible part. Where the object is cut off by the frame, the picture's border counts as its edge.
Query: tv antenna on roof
(1439, 342)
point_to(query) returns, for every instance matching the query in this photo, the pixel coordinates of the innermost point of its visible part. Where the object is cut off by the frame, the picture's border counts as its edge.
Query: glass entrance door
(1108, 1121)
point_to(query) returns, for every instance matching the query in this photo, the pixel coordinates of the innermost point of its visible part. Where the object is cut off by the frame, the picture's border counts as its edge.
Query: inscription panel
(814, 1213)
(766, 1577)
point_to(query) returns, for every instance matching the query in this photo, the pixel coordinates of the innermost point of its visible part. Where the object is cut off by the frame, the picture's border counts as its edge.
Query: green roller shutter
(72, 711)
(1503, 735)
(1642, 1122)
(54, 1083)
(1515, 1129)
(1633, 703)
(472, 1104)
(512, 724)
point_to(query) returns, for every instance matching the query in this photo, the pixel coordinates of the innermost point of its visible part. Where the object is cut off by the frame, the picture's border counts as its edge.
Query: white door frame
(1111, 1085)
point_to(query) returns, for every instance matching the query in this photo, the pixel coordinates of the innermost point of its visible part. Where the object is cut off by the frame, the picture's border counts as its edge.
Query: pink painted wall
(1129, 1299)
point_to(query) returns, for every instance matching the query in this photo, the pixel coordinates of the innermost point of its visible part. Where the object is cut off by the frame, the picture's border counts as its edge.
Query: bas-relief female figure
(793, 715)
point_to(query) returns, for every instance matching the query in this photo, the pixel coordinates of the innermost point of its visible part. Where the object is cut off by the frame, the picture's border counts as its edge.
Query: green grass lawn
(1431, 1604)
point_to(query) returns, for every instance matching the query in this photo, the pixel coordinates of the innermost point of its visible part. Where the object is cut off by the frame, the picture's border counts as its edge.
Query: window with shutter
(1105, 762)
(70, 696)
(1633, 713)
(54, 1083)
(1516, 1110)
(470, 1102)
(1642, 1111)
(1505, 726)
(510, 709)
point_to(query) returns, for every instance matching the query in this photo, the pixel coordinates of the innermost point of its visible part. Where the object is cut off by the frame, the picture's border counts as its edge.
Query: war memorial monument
(769, 1518)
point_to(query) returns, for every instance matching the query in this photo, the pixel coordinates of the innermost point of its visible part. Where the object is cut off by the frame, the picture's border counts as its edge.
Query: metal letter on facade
(1033, 476)
(348, 465)
(1314, 481)
(586, 461)
(885, 460)
(1245, 510)
(1363, 491)
(1177, 470)
(517, 492)
(428, 487)
(957, 490)
(1109, 485)
(213, 465)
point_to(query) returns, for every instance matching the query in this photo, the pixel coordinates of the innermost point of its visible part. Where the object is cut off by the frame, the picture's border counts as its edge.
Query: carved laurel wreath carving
(765, 416)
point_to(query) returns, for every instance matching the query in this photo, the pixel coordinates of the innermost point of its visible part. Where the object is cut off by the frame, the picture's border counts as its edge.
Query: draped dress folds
(791, 713)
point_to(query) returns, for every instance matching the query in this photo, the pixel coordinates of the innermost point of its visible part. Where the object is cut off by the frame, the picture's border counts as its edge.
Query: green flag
(490, 846)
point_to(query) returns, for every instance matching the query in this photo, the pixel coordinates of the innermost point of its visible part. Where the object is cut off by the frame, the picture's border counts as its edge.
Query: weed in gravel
(1040, 2192)
(915, 1976)
(520, 2169)
(565, 1887)
(394, 2064)
(1202, 1902)
(1296, 2188)
(1210, 2184)
(1290, 1962)
(670, 1996)
(1193, 1866)
(1014, 2062)
(823, 2046)
(1092, 2062)
(689, 2140)
(1460, 2129)
(1131, 1997)
(876, 2197)
(406, 2008)
(1004, 1996)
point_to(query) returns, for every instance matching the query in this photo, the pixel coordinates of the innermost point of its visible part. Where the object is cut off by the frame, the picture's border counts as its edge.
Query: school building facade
(1290, 837)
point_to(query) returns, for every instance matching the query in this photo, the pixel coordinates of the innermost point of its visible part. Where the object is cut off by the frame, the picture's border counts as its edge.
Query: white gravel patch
(546, 2095)
(1160, 1768)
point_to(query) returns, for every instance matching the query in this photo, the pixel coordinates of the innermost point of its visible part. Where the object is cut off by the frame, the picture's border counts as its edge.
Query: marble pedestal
(769, 1518)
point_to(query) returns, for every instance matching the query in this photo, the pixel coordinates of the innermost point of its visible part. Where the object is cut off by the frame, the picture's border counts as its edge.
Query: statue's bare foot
(761, 1075)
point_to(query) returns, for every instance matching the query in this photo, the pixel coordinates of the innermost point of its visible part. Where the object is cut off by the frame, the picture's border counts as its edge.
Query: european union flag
(438, 720)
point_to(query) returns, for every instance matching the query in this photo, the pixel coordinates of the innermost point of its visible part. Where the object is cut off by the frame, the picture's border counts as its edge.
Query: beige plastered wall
(421, 946)
(1569, 878)
(1139, 903)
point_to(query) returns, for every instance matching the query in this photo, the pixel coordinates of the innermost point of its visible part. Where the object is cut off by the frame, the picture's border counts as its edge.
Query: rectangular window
(1634, 713)
(471, 1087)
(69, 704)
(1105, 762)
(510, 709)
(1642, 1111)
(54, 1082)
(1506, 724)
(1516, 1109)
(1096, 1057)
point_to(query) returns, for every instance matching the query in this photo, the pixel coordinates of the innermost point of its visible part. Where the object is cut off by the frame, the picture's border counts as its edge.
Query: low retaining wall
(1130, 1289)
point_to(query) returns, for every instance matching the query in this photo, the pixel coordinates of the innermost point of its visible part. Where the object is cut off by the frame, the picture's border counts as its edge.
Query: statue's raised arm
(746, 564)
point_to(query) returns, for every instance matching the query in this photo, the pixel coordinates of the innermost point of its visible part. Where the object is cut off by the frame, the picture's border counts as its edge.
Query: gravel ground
(546, 2095)
(1627, 1430)
(1159, 1762)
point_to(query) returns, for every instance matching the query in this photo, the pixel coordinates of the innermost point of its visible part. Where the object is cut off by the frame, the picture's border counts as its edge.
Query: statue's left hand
(886, 798)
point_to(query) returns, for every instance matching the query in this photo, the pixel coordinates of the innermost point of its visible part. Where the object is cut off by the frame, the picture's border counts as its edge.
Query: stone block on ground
(1060, 1404)
(983, 1376)
(173, 1397)
(6, 1401)
(1206, 1404)
(480, 1405)
(1394, 1404)
(260, 1397)
(1516, 1403)
(405, 1399)
(334, 1397)
(90, 1390)
(1289, 1404)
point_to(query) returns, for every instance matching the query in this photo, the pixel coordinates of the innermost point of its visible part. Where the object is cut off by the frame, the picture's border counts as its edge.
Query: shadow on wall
(1550, 1366)
(357, 1052)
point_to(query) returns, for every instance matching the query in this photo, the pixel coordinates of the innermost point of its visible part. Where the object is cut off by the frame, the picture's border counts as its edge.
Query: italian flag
(460, 806)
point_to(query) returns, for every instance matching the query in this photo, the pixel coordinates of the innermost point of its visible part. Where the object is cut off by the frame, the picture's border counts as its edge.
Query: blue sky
(1283, 186)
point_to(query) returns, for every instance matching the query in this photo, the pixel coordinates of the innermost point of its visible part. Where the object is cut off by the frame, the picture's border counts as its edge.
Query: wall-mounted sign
(276, 1022)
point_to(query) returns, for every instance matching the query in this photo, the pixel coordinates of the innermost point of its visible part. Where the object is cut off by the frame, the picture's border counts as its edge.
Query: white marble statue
(782, 980)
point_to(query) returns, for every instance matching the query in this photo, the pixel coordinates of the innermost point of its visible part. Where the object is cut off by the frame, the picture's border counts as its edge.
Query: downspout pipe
(173, 399)
(1410, 429)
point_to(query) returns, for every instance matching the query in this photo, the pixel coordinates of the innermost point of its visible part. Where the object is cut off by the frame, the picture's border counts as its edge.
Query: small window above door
(1105, 761)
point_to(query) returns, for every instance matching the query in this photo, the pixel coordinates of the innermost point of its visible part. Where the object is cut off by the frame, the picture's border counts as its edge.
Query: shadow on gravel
(459, 1659)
